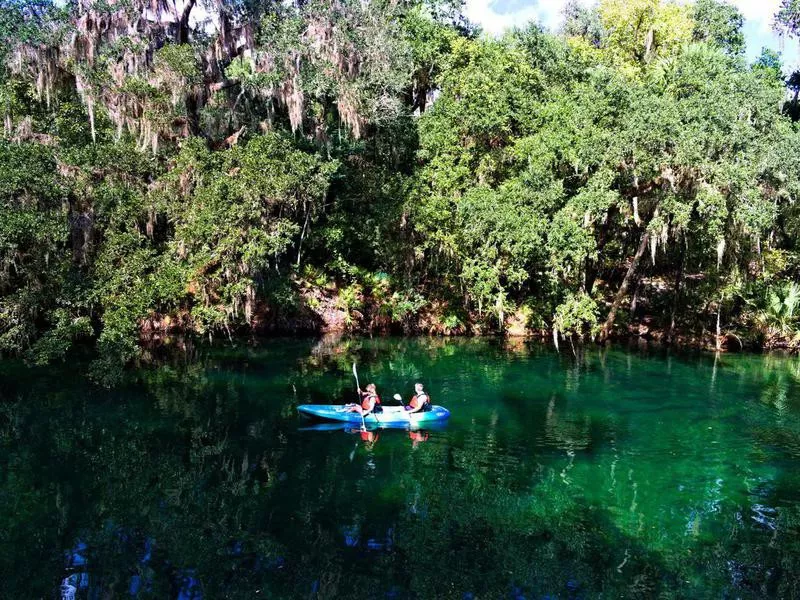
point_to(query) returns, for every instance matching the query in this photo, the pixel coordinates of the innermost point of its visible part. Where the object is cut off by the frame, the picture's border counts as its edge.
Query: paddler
(370, 401)
(420, 401)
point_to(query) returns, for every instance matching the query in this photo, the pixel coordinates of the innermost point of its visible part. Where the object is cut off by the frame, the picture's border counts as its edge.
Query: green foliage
(641, 31)
(769, 62)
(351, 298)
(430, 41)
(452, 324)
(437, 179)
(788, 16)
(719, 23)
(576, 316)
(180, 61)
(406, 305)
(57, 341)
(501, 235)
(582, 22)
(23, 20)
(780, 310)
(248, 209)
(33, 237)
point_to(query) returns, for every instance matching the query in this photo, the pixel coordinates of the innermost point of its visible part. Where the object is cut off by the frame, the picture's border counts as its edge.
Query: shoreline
(156, 341)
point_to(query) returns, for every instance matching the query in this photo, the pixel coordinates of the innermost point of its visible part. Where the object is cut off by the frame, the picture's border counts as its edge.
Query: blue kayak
(391, 415)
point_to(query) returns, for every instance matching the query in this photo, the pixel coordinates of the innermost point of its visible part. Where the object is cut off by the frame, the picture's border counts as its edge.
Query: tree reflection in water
(613, 473)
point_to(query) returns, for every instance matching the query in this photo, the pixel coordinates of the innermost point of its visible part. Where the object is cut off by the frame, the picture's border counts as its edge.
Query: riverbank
(325, 309)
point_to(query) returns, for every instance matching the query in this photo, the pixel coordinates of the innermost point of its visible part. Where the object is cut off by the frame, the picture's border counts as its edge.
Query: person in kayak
(370, 402)
(420, 401)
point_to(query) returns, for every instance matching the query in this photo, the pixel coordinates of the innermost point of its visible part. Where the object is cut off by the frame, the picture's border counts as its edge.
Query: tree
(787, 19)
(643, 30)
(583, 23)
(283, 162)
(720, 23)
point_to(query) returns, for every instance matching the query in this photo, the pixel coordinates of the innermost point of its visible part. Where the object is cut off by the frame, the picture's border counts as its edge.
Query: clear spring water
(615, 474)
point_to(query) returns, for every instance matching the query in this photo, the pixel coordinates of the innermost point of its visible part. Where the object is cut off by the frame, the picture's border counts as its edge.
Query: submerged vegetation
(230, 166)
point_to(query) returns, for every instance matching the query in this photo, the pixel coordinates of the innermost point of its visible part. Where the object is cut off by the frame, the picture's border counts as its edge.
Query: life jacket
(366, 403)
(422, 398)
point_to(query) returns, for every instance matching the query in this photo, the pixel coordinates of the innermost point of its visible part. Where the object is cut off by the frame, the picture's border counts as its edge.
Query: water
(612, 474)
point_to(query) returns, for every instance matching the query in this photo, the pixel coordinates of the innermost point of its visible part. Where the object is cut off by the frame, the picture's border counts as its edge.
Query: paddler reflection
(417, 437)
(369, 437)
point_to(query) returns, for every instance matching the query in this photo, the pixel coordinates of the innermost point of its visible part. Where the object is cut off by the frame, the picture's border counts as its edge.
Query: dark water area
(614, 474)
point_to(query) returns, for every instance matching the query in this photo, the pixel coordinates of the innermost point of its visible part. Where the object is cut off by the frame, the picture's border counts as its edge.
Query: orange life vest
(415, 401)
(366, 403)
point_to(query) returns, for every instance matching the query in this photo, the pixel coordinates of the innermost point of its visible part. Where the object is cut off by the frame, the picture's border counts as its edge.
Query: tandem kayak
(391, 415)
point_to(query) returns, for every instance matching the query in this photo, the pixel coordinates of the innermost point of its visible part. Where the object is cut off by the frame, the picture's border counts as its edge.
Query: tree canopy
(233, 166)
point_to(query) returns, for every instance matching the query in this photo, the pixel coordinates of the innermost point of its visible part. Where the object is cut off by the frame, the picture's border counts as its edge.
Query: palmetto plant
(782, 309)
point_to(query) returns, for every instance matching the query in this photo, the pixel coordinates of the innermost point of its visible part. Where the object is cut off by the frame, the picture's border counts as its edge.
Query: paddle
(399, 398)
(358, 391)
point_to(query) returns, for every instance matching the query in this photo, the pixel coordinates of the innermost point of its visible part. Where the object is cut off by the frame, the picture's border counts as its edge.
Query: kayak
(391, 415)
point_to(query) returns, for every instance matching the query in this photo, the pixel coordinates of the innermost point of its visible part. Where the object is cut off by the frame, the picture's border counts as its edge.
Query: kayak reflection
(348, 427)
(372, 434)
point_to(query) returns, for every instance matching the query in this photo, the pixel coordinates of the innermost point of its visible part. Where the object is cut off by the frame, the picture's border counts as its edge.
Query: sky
(495, 16)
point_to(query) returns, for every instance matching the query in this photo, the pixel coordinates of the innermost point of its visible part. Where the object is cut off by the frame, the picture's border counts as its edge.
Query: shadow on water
(616, 474)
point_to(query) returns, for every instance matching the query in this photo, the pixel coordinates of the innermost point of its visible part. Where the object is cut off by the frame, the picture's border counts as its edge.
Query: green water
(616, 474)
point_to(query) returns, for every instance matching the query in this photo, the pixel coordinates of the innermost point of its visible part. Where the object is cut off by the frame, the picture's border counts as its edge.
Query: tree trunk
(637, 287)
(676, 298)
(606, 331)
(183, 23)
(90, 110)
(302, 237)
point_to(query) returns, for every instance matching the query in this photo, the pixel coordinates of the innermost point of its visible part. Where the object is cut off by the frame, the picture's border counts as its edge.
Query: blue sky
(495, 16)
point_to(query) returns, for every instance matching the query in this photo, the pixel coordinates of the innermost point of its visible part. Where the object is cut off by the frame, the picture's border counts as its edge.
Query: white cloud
(495, 21)
(489, 14)
(759, 11)
(484, 14)
(548, 13)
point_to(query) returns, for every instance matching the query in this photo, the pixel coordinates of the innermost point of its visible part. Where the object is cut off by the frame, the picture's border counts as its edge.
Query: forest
(244, 167)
